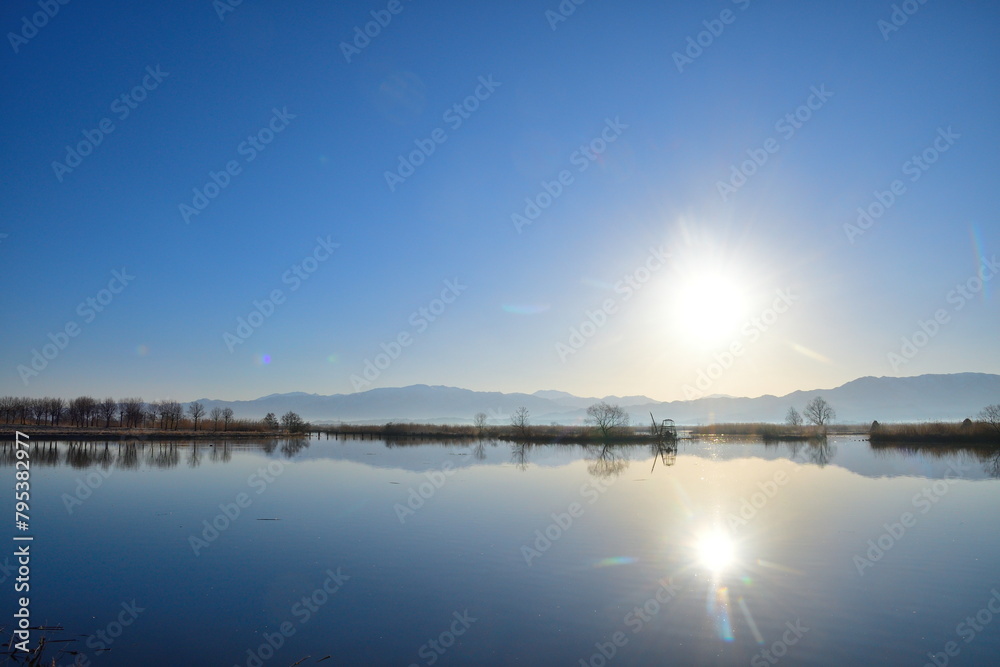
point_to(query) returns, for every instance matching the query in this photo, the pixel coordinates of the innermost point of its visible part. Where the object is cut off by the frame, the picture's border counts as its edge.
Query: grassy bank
(772, 432)
(535, 434)
(48, 432)
(943, 433)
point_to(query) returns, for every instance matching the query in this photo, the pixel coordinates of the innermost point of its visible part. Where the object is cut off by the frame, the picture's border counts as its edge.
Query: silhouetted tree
(609, 419)
(480, 423)
(793, 418)
(131, 411)
(107, 409)
(227, 418)
(215, 415)
(991, 415)
(197, 411)
(271, 422)
(291, 422)
(819, 412)
(519, 420)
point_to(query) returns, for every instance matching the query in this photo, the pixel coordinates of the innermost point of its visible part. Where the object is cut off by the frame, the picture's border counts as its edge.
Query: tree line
(133, 412)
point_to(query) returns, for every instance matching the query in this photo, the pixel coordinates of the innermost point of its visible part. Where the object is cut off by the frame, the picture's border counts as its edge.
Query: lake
(718, 553)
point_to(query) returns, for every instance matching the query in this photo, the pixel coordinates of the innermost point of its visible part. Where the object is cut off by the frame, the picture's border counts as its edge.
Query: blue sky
(643, 202)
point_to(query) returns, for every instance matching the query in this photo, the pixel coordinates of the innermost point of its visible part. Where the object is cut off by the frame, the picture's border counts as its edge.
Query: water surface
(494, 554)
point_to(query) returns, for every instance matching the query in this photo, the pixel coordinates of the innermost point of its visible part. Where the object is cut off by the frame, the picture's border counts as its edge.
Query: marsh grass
(531, 433)
(771, 432)
(951, 433)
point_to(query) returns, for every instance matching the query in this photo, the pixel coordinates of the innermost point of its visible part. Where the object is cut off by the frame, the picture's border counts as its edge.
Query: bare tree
(131, 411)
(480, 423)
(819, 412)
(56, 409)
(175, 411)
(215, 415)
(38, 411)
(793, 418)
(107, 409)
(227, 418)
(609, 419)
(520, 421)
(991, 415)
(197, 411)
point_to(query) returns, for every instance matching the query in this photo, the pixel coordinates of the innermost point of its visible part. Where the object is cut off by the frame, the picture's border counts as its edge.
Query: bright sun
(715, 551)
(711, 306)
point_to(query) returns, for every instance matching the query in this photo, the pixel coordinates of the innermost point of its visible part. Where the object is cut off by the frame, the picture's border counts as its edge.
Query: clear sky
(691, 195)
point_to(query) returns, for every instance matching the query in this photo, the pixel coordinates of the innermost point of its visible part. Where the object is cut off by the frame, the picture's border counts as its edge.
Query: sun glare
(715, 551)
(710, 306)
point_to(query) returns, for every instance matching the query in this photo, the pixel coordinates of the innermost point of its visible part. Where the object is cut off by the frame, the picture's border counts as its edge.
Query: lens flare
(715, 551)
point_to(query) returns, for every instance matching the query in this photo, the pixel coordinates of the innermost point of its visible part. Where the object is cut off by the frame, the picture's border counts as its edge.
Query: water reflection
(519, 455)
(607, 461)
(135, 455)
(604, 460)
(665, 452)
(987, 457)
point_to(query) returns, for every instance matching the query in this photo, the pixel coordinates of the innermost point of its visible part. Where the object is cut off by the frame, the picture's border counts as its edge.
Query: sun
(710, 306)
(715, 551)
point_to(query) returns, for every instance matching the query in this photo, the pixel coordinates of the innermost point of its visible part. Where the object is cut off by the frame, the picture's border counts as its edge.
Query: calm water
(735, 553)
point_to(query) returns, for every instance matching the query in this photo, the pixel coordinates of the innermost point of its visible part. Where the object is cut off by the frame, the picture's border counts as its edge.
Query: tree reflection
(992, 466)
(133, 455)
(194, 456)
(608, 460)
(479, 451)
(519, 454)
(820, 451)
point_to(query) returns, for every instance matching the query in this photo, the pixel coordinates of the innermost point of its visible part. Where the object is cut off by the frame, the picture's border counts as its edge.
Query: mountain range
(953, 396)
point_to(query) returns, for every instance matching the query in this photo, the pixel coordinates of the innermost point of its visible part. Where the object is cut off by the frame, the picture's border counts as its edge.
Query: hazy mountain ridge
(952, 396)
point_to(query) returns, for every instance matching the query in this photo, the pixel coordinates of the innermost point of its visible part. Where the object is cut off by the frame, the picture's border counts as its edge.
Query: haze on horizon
(230, 204)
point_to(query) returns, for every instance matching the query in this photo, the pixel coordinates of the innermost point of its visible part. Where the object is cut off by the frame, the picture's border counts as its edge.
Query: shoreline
(47, 432)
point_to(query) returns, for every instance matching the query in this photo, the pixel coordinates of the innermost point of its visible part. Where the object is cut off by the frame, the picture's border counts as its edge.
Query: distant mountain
(921, 398)
(580, 402)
